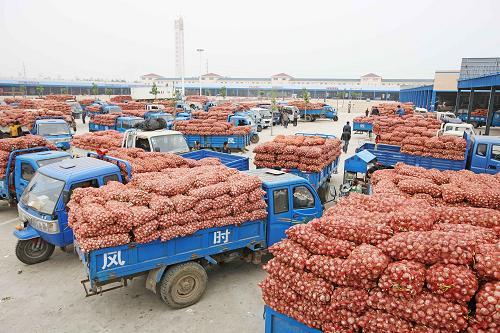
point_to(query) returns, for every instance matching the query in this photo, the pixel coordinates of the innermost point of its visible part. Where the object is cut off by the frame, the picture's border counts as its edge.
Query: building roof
(151, 75)
(281, 75)
(371, 75)
(211, 75)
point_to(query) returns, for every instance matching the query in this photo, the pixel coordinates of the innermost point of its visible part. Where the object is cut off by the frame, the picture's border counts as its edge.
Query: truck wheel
(308, 118)
(33, 251)
(335, 118)
(183, 285)
(259, 128)
(254, 139)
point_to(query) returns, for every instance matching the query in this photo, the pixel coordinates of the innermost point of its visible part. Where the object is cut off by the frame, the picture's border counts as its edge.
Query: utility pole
(199, 79)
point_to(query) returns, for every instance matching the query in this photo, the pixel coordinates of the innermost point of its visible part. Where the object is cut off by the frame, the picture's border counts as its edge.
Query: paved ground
(48, 297)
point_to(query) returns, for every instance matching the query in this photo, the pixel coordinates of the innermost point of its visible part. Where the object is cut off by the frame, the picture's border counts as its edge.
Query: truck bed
(389, 155)
(217, 141)
(109, 264)
(362, 127)
(279, 323)
(317, 178)
(238, 162)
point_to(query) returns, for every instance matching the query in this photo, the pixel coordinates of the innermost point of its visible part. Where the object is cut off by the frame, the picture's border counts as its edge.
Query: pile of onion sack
(389, 109)
(383, 264)
(368, 120)
(98, 140)
(306, 153)
(105, 119)
(120, 98)
(417, 136)
(210, 127)
(10, 144)
(136, 113)
(61, 98)
(301, 105)
(132, 105)
(27, 117)
(458, 189)
(45, 104)
(164, 205)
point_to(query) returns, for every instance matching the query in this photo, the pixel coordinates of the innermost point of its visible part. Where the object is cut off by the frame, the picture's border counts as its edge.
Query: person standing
(400, 111)
(349, 107)
(367, 112)
(346, 136)
(15, 129)
(295, 117)
(84, 114)
(225, 148)
(286, 119)
(347, 128)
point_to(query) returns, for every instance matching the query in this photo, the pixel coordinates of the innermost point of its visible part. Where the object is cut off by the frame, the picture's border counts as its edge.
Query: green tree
(39, 90)
(223, 92)
(177, 94)
(94, 90)
(64, 91)
(154, 90)
(305, 95)
(108, 91)
(22, 90)
(261, 94)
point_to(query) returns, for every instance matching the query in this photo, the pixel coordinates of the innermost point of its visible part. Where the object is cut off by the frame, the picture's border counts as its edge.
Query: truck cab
(445, 116)
(330, 112)
(54, 130)
(485, 155)
(76, 109)
(156, 141)
(291, 200)
(22, 165)
(169, 119)
(244, 120)
(155, 107)
(42, 207)
(254, 115)
(456, 129)
(208, 105)
(265, 116)
(183, 105)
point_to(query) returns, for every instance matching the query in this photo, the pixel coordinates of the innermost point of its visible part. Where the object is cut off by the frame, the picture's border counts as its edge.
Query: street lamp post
(199, 79)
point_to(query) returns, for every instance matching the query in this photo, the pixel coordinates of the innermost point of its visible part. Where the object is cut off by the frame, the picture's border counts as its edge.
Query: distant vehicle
(121, 124)
(420, 111)
(76, 109)
(155, 107)
(54, 129)
(266, 116)
(254, 115)
(456, 129)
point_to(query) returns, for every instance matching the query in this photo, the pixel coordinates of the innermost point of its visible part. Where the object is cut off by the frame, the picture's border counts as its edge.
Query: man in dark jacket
(346, 136)
(347, 127)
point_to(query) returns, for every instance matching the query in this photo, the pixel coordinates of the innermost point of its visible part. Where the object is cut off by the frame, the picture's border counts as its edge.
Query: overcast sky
(331, 39)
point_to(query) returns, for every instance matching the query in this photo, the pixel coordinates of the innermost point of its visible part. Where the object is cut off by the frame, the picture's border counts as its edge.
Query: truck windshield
(75, 107)
(131, 123)
(173, 143)
(53, 129)
(42, 193)
(265, 114)
(48, 161)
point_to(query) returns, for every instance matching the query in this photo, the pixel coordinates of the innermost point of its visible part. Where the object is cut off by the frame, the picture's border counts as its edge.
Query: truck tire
(335, 118)
(33, 251)
(183, 284)
(255, 138)
(259, 128)
(308, 118)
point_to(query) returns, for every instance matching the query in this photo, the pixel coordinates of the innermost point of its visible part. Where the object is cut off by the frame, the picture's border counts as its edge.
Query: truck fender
(26, 233)
(154, 278)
